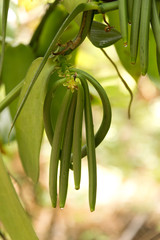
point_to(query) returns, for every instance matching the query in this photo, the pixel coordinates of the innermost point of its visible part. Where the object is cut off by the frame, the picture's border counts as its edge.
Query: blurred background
(128, 160)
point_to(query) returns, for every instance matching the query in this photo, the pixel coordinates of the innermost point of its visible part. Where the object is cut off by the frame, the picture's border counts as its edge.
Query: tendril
(108, 27)
(123, 81)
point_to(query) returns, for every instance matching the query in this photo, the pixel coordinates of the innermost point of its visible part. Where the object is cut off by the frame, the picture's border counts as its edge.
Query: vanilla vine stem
(91, 6)
(80, 8)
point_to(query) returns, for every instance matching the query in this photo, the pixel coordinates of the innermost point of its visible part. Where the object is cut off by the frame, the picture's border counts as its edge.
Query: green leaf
(124, 52)
(102, 38)
(12, 214)
(29, 125)
(152, 65)
(50, 29)
(4, 24)
(16, 63)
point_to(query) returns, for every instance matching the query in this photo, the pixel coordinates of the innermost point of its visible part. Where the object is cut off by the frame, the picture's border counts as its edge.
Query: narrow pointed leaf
(16, 63)
(12, 214)
(29, 125)
(49, 29)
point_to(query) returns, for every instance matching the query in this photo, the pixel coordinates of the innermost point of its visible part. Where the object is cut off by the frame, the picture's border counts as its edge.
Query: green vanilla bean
(158, 60)
(123, 18)
(134, 40)
(56, 145)
(144, 34)
(77, 137)
(130, 10)
(155, 22)
(4, 25)
(107, 114)
(91, 153)
(80, 8)
(46, 109)
(66, 152)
